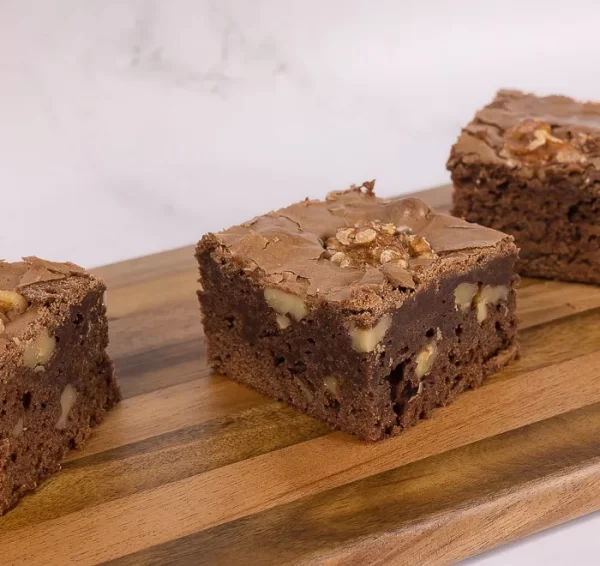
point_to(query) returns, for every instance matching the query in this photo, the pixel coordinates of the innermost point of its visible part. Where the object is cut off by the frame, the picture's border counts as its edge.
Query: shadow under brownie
(56, 380)
(365, 313)
(530, 167)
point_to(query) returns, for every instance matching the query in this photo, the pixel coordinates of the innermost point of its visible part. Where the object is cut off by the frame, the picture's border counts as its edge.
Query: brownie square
(530, 167)
(362, 312)
(56, 380)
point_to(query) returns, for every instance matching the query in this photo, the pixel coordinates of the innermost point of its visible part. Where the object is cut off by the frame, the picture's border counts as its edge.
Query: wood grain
(192, 468)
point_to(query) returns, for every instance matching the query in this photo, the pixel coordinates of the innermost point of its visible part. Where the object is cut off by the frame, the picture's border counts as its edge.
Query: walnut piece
(331, 384)
(376, 243)
(308, 394)
(12, 304)
(18, 428)
(345, 236)
(542, 136)
(67, 400)
(420, 247)
(489, 295)
(366, 340)
(341, 259)
(286, 303)
(532, 141)
(39, 350)
(282, 321)
(425, 359)
(365, 236)
(393, 256)
(464, 295)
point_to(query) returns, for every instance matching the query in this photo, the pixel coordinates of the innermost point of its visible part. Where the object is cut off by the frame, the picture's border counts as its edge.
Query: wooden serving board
(192, 468)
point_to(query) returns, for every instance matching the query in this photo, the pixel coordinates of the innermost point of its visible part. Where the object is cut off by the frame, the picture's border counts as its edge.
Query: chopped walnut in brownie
(532, 141)
(363, 312)
(57, 379)
(373, 242)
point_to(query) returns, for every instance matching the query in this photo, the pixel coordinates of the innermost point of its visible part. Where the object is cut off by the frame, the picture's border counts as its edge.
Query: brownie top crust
(524, 132)
(33, 296)
(354, 248)
(32, 270)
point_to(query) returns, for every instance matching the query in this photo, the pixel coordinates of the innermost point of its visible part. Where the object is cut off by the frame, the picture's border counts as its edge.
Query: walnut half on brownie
(362, 312)
(56, 379)
(530, 167)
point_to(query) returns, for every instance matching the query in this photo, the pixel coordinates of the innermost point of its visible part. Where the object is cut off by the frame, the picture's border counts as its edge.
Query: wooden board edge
(490, 490)
(505, 517)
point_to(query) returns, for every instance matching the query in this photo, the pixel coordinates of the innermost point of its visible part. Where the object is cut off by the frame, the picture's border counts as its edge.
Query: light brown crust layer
(525, 133)
(286, 249)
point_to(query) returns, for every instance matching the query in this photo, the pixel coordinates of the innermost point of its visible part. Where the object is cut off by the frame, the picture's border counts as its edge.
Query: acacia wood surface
(192, 468)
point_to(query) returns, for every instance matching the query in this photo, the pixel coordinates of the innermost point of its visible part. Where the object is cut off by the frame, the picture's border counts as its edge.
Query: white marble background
(132, 126)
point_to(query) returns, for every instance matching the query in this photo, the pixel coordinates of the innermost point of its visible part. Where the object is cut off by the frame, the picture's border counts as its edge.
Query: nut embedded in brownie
(362, 312)
(56, 380)
(530, 167)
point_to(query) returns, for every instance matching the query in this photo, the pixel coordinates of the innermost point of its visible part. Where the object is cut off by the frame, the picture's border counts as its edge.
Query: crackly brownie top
(523, 131)
(30, 291)
(351, 246)
(22, 274)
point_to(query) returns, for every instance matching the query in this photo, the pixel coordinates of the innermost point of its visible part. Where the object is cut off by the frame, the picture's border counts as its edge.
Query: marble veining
(235, 54)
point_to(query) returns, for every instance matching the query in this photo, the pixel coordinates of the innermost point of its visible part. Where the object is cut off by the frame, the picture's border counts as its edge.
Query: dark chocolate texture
(416, 307)
(56, 380)
(530, 166)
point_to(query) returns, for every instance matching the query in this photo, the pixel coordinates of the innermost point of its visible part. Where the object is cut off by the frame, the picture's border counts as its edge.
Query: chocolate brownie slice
(56, 380)
(362, 312)
(530, 167)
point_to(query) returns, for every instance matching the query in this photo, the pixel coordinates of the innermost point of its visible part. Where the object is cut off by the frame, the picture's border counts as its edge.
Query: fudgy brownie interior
(57, 381)
(373, 346)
